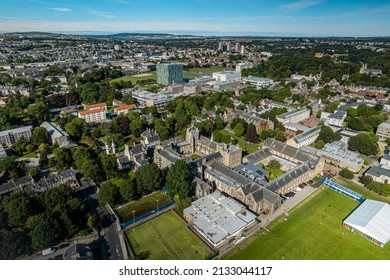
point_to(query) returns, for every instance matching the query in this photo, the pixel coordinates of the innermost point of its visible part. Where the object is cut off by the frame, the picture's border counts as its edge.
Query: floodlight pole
(133, 216)
(157, 200)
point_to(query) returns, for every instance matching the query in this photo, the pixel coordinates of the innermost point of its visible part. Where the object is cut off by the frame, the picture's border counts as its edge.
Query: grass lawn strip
(241, 142)
(312, 231)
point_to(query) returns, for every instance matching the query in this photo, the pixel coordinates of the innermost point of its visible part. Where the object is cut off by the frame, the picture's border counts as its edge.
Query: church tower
(192, 137)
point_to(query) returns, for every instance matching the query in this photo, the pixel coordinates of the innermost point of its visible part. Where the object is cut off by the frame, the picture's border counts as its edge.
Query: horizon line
(196, 34)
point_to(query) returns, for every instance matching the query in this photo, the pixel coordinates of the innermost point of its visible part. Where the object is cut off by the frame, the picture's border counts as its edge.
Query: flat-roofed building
(8, 137)
(218, 218)
(335, 119)
(149, 99)
(383, 130)
(227, 76)
(289, 108)
(243, 65)
(337, 153)
(294, 116)
(258, 81)
(93, 116)
(305, 138)
(346, 133)
(169, 73)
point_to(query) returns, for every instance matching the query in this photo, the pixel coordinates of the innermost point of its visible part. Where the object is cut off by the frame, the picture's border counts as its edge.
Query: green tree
(149, 178)
(239, 130)
(93, 222)
(63, 158)
(108, 193)
(178, 179)
(39, 136)
(109, 165)
(18, 210)
(357, 124)
(56, 197)
(364, 144)
(380, 188)
(280, 136)
(12, 243)
(136, 126)
(366, 179)
(327, 135)
(19, 147)
(38, 112)
(331, 107)
(319, 144)
(46, 233)
(346, 173)
(251, 134)
(76, 127)
(127, 190)
(274, 164)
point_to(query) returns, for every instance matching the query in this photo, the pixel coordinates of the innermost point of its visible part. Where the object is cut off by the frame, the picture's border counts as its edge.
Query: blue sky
(218, 17)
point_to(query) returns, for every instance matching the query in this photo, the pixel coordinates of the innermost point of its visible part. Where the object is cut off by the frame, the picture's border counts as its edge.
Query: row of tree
(39, 221)
(148, 178)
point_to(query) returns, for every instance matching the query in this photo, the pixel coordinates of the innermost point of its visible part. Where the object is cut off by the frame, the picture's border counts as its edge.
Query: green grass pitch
(312, 231)
(167, 237)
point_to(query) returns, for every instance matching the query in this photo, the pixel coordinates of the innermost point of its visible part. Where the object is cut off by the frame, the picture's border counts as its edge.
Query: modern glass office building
(169, 73)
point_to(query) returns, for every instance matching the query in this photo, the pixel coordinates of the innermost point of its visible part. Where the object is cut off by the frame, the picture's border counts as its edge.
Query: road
(110, 230)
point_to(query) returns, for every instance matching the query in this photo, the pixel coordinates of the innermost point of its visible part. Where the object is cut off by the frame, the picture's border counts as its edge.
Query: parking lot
(288, 204)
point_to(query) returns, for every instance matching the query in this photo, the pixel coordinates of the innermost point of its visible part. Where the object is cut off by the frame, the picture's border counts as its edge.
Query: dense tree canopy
(178, 179)
(149, 178)
(363, 143)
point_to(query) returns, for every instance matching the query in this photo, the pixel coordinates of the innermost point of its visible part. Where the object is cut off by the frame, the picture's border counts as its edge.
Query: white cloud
(102, 14)
(61, 10)
(300, 5)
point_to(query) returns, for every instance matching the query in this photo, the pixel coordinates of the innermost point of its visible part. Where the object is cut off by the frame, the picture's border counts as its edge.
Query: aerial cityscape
(194, 130)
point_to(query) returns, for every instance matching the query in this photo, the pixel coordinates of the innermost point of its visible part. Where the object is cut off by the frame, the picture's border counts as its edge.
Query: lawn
(276, 171)
(242, 143)
(30, 155)
(197, 72)
(208, 71)
(362, 190)
(167, 237)
(135, 78)
(312, 231)
(142, 206)
(195, 156)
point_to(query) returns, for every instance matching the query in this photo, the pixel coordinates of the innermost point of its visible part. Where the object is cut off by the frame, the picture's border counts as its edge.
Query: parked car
(48, 251)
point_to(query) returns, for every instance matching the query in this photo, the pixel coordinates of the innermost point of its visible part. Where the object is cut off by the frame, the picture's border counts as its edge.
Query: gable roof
(373, 219)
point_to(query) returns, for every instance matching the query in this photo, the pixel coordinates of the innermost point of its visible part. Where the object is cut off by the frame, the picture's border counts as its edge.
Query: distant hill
(34, 33)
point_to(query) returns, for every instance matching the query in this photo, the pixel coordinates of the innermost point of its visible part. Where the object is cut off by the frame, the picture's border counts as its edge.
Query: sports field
(167, 237)
(135, 78)
(312, 231)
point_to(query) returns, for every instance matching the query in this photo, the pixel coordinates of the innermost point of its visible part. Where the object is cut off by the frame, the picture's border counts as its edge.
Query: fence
(143, 216)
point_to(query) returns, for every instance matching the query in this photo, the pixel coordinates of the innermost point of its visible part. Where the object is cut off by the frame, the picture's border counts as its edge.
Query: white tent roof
(373, 219)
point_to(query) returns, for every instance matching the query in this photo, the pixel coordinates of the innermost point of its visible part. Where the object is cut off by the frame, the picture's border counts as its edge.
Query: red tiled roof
(98, 105)
(83, 113)
(126, 107)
